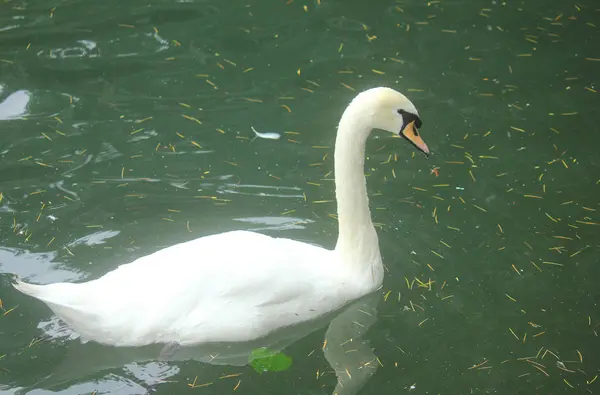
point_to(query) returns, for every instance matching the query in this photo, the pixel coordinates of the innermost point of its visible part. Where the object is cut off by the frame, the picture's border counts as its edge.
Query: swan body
(233, 286)
(238, 286)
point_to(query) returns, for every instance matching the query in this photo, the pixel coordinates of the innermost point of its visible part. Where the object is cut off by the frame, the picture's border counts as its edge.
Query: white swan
(239, 286)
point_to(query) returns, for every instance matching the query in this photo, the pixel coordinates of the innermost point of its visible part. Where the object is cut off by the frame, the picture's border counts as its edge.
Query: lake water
(125, 128)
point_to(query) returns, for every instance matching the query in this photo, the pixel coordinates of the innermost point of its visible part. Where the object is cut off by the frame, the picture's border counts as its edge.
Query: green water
(492, 265)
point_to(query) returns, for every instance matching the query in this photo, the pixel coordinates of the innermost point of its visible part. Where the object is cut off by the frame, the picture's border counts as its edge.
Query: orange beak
(411, 133)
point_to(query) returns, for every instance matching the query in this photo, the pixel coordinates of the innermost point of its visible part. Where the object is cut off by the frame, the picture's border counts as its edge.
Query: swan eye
(408, 117)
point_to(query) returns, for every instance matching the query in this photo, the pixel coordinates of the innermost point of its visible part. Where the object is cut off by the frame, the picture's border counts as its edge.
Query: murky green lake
(125, 128)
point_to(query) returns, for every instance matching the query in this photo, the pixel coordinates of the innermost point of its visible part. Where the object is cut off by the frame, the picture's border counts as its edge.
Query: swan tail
(66, 294)
(35, 291)
(62, 298)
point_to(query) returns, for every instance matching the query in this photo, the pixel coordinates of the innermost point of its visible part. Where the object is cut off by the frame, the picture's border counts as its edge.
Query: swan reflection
(345, 348)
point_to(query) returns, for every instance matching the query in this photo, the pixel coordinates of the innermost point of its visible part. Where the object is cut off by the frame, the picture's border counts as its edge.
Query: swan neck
(357, 240)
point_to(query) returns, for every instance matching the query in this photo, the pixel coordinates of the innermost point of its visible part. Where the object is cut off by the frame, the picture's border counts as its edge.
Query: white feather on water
(268, 135)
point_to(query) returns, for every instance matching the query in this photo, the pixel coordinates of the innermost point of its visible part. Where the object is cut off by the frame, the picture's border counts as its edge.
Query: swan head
(389, 110)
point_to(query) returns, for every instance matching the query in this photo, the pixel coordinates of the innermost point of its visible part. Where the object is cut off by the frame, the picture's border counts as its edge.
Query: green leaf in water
(264, 360)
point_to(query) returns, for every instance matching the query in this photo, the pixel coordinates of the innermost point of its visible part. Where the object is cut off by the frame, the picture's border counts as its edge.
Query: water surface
(125, 128)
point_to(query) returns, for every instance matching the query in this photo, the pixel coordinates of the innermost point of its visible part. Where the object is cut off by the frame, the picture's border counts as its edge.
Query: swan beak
(412, 135)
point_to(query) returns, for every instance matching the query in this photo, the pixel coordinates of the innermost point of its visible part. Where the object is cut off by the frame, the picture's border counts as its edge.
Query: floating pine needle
(230, 376)
(192, 119)
(437, 254)
(538, 368)
(516, 270)
(472, 176)
(194, 385)
(480, 208)
(347, 86)
(9, 311)
(478, 365)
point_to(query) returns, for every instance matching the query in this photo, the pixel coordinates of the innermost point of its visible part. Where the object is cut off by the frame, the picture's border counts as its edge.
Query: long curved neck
(357, 240)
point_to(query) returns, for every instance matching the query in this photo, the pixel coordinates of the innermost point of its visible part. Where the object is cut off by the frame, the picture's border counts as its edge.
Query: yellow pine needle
(472, 176)
(347, 86)
(437, 254)
(10, 310)
(515, 269)
(192, 119)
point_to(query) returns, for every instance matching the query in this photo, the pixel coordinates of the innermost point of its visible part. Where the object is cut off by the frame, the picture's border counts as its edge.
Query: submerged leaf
(264, 360)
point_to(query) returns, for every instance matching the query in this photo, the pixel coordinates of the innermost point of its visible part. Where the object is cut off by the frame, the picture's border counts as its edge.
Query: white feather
(267, 135)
